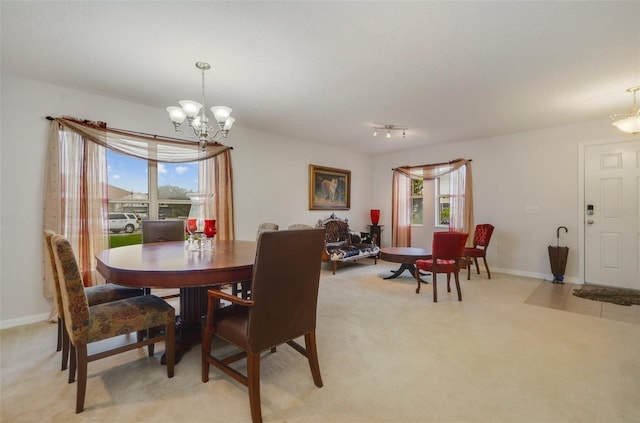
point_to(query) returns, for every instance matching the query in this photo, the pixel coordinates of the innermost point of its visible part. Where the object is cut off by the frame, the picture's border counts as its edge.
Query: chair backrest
(48, 235)
(266, 227)
(482, 235)
(74, 299)
(162, 230)
(299, 226)
(448, 245)
(284, 288)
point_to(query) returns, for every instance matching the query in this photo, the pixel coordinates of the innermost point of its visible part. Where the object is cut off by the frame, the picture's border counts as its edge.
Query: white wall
(537, 168)
(270, 176)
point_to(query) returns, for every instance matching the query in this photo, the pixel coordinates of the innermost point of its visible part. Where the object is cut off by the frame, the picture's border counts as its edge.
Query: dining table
(173, 265)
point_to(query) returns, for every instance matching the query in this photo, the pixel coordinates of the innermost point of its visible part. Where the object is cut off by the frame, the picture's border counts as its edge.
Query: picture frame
(329, 188)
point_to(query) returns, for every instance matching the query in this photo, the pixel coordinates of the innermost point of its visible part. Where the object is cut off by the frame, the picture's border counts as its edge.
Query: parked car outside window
(127, 222)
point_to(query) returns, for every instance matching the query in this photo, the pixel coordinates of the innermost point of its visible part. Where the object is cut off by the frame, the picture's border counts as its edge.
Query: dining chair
(446, 252)
(284, 297)
(97, 294)
(163, 231)
(88, 324)
(481, 239)
(244, 288)
(266, 227)
(299, 226)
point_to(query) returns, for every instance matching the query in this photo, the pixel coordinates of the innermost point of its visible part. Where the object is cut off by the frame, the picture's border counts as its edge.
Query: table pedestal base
(406, 266)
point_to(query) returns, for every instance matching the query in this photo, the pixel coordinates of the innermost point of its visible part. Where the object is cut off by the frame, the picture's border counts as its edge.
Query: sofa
(342, 245)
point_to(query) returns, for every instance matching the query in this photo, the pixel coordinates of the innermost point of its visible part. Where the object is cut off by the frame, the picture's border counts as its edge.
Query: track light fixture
(389, 128)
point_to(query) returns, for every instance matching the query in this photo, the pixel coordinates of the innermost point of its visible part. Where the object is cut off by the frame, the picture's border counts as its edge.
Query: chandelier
(196, 116)
(389, 128)
(629, 123)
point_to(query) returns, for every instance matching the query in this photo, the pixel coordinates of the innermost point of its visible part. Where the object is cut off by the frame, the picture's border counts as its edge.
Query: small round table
(406, 256)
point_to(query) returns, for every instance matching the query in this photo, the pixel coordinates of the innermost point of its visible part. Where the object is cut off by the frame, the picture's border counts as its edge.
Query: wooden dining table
(172, 265)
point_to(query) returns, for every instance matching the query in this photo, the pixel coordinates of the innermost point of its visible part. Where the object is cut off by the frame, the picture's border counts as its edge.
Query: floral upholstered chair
(98, 294)
(86, 324)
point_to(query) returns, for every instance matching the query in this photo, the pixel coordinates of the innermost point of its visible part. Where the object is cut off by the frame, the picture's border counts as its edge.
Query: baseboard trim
(544, 276)
(26, 320)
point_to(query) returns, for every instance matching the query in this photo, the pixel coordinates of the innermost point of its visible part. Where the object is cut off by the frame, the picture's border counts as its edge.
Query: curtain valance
(148, 147)
(431, 171)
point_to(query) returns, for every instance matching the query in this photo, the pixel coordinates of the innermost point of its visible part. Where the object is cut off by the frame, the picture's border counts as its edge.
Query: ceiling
(327, 72)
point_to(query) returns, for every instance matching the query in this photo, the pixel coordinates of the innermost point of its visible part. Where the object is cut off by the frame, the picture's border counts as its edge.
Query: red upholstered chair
(481, 240)
(446, 254)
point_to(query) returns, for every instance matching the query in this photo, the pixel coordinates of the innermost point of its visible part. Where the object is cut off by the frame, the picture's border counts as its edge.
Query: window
(442, 200)
(148, 189)
(417, 214)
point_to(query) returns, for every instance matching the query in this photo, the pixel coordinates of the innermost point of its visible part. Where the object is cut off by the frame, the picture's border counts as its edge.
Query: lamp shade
(228, 123)
(176, 114)
(191, 108)
(221, 113)
(629, 124)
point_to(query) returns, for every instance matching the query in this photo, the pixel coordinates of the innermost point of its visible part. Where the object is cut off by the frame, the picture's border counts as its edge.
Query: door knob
(590, 221)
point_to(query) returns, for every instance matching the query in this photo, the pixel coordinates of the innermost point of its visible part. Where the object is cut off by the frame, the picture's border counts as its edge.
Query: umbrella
(558, 257)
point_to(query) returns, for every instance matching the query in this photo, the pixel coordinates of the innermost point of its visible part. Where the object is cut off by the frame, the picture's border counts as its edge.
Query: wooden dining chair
(163, 231)
(87, 324)
(97, 294)
(446, 251)
(284, 297)
(481, 239)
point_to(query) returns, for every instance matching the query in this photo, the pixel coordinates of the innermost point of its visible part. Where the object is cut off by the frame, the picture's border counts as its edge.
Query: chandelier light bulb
(375, 132)
(388, 134)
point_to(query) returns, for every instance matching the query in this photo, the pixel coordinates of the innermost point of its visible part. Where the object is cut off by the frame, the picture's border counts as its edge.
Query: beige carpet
(386, 355)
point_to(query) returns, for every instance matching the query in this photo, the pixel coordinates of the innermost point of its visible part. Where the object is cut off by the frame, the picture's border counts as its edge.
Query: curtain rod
(433, 164)
(141, 133)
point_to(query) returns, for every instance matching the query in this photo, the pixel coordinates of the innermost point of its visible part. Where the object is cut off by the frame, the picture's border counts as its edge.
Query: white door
(611, 215)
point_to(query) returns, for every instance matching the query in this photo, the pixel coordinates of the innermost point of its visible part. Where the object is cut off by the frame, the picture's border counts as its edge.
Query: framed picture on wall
(329, 188)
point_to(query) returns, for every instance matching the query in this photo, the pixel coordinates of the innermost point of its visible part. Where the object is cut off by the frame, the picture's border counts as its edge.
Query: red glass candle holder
(192, 225)
(375, 216)
(210, 228)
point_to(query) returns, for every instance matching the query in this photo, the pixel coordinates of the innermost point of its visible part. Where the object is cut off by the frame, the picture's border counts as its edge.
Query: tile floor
(560, 297)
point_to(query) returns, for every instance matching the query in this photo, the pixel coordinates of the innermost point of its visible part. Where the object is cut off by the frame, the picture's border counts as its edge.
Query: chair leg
(468, 262)
(455, 274)
(207, 335)
(151, 347)
(312, 355)
(435, 287)
(65, 347)
(335, 266)
(417, 275)
(448, 282)
(82, 377)
(475, 261)
(59, 343)
(170, 347)
(486, 267)
(73, 358)
(253, 383)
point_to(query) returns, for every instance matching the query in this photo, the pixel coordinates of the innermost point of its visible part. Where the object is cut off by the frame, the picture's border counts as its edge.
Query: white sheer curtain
(76, 189)
(76, 199)
(460, 192)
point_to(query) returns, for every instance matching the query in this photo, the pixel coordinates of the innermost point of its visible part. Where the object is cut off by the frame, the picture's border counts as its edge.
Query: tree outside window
(443, 201)
(417, 212)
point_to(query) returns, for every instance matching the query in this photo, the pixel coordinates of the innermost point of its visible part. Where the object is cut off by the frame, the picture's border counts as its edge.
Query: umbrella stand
(558, 257)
